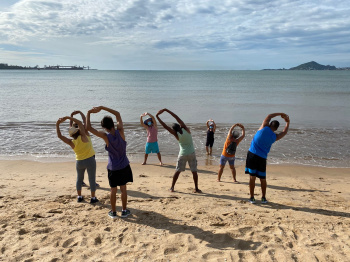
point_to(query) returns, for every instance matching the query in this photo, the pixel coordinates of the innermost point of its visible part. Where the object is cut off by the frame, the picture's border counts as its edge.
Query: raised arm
(141, 120)
(82, 117)
(267, 120)
(59, 134)
(178, 119)
(214, 129)
(243, 133)
(231, 130)
(93, 130)
(285, 130)
(171, 131)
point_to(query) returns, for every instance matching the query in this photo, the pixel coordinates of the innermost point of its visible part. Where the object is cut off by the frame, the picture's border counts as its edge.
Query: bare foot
(172, 189)
(160, 163)
(235, 181)
(197, 191)
(218, 180)
(144, 163)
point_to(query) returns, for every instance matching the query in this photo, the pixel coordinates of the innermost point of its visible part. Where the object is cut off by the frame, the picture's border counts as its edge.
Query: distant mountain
(313, 66)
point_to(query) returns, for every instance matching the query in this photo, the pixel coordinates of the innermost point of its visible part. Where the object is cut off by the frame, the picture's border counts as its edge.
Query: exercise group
(118, 167)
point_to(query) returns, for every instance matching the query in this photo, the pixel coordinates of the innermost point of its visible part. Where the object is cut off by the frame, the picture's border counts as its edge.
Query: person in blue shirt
(258, 151)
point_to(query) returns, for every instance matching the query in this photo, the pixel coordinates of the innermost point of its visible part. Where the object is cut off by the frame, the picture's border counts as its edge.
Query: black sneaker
(112, 214)
(263, 200)
(80, 199)
(126, 213)
(93, 200)
(252, 200)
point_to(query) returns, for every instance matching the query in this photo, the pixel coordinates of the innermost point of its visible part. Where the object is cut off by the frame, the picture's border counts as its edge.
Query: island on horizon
(313, 66)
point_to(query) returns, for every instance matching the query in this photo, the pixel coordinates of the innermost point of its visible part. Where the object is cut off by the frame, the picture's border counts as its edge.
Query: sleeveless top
(152, 134)
(83, 150)
(210, 135)
(262, 142)
(185, 143)
(227, 143)
(117, 158)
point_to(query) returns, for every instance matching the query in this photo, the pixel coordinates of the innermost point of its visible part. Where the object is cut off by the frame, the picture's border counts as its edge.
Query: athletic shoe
(252, 200)
(126, 213)
(93, 200)
(80, 199)
(263, 200)
(83, 184)
(112, 214)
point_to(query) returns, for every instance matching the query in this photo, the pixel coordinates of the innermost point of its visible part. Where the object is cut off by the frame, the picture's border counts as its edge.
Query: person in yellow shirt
(229, 152)
(84, 154)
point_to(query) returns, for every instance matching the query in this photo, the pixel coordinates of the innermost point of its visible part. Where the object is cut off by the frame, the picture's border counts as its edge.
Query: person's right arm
(178, 119)
(93, 130)
(231, 130)
(141, 120)
(59, 134)
(285, 130)
(170, 130)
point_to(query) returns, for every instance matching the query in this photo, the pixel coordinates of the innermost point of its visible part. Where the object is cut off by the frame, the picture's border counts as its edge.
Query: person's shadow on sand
(217, 241)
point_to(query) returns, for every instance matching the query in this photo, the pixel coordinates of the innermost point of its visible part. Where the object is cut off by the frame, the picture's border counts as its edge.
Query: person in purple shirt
(258, 151)
(119, 171)
(150, 124)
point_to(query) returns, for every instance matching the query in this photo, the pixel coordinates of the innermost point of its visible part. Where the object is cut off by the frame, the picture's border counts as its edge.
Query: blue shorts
(152, 148)
(224, 159)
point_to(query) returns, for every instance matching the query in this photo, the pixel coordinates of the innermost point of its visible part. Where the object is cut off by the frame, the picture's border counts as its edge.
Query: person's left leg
(113, 198)
(144, 161)
(263, 187)
(207, 149)
(233, 171)
(195, 180)
(160, 159)
(124, 196)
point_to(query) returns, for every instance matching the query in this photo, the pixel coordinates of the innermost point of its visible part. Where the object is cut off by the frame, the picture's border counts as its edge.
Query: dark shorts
(120, 177)
(210, 142)
(255, 165)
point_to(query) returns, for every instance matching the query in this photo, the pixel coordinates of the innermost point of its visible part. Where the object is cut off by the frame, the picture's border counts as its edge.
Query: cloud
(177, 26)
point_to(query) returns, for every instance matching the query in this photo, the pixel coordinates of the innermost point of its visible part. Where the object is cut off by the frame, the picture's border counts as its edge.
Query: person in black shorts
(210, 136)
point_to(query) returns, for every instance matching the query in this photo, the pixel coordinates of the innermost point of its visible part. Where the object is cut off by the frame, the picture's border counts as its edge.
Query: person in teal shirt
(187, 153)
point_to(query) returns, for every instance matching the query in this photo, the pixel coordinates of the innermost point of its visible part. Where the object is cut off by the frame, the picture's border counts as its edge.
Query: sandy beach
(307, 217)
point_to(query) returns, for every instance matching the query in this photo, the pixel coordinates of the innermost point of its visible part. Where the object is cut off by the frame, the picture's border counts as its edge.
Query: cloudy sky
(181, 34)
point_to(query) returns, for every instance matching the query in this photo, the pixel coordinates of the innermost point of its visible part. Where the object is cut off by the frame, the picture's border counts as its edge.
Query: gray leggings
(90, 165)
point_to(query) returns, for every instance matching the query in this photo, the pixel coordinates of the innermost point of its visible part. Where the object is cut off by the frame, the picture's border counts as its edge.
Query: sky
(175, 35)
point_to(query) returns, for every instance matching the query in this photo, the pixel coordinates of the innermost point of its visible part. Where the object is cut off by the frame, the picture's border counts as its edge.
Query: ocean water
(316, 101)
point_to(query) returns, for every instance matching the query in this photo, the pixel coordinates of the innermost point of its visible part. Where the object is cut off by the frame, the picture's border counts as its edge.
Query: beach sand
(307, 217)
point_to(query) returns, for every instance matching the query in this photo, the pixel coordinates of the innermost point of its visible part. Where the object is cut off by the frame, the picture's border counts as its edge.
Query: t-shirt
(116, 148)
(262, 142)
(83, 150)
(185, 143)
(152, 134)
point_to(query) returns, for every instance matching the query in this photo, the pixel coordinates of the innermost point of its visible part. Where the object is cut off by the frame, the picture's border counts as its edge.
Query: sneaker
(80, 199)
(263, 200)
(112, 214)
(125, 213)
(252, 200)
(83, 184)
(93, 200)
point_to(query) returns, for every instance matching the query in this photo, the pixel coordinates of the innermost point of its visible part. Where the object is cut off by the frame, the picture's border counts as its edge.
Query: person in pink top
(150, 125)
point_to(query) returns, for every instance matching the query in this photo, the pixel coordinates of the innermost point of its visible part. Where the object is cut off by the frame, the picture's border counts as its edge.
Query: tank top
(116, 148)
(210, 135)
(152, 134)
(83, 150)
(227, 143)
(185, 143)
(262, 142)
